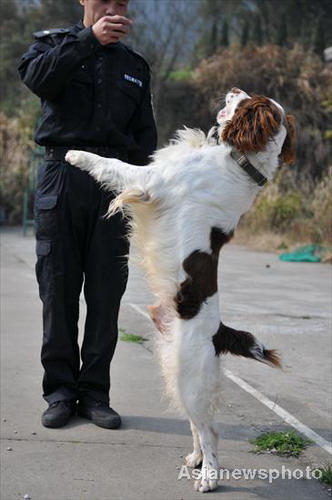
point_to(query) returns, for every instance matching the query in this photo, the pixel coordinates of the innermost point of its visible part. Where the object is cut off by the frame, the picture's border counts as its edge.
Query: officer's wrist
(88, 39)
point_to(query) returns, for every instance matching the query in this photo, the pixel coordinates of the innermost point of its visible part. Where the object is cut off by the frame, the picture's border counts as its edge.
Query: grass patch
(128, 337)
(326, 476)
(181, 75)
(286, 443)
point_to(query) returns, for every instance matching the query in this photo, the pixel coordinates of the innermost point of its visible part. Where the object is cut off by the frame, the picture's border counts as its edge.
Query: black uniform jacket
(92, 95)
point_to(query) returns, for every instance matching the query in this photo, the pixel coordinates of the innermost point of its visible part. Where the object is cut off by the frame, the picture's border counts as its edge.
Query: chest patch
(133, 80)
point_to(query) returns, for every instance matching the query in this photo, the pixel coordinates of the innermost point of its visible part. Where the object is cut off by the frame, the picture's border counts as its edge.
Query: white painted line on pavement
(287, 417)
(140, 310)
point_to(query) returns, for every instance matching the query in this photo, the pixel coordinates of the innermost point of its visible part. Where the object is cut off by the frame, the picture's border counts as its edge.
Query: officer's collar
(80, 26)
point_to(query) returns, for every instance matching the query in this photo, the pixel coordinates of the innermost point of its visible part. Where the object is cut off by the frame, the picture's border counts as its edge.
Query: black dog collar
(248, 167)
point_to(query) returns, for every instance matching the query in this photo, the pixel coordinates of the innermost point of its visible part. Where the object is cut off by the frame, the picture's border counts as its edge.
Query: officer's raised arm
(47, 66)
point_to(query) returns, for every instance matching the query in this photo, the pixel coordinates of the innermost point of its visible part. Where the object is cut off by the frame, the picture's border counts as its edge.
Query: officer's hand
(110, 29)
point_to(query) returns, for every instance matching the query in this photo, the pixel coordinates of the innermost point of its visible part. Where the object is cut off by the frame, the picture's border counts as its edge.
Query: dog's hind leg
(208, 438)
(199, 380)
(195, 458)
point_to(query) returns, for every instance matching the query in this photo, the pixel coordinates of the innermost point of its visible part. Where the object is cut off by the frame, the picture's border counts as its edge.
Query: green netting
(307, 253)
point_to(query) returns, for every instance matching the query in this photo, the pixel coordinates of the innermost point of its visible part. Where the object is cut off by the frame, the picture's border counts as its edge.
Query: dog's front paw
(80, 159)
(194, 459)
(73, 157)
(208, 480)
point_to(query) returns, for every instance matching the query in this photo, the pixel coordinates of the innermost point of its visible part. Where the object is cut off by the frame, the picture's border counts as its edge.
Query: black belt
(58, 153)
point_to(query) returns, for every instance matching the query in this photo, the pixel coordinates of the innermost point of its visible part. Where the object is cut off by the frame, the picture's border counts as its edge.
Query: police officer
(95, 96)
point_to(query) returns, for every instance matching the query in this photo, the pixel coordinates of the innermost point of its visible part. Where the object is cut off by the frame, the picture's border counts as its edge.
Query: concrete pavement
(287, 305)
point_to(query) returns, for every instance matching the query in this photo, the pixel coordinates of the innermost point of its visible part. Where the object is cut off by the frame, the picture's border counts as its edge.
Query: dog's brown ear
(254, 123)
(288, 154)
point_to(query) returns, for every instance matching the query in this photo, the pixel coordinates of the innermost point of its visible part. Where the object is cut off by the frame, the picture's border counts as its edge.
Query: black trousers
(76, 245)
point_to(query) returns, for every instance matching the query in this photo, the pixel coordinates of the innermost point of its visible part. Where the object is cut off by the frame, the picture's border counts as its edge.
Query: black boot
(100, 414)
(58, 413)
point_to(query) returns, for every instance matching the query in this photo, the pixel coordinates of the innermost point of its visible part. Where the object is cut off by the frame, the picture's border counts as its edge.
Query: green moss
(137, 339)
(326, 476)
(282, 443)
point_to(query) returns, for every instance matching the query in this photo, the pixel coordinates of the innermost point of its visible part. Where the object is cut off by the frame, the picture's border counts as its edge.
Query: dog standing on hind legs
(183, 208)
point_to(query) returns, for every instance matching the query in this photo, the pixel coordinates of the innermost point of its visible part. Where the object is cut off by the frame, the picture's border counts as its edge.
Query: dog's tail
(244, 344)
(127, 197)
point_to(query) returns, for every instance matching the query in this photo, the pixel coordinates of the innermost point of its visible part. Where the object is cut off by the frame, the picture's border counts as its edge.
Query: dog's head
(250, 123)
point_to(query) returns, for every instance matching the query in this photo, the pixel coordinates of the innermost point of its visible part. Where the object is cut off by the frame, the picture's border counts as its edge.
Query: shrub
(15, 151)
(280, 211)
(300, 211)
(321, 206)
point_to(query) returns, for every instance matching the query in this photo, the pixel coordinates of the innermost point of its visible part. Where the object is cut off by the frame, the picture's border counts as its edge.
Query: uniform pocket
(43, 248)
(124, 102)
(46, 202)
(45, 269)
(131, 90)
(46, 217)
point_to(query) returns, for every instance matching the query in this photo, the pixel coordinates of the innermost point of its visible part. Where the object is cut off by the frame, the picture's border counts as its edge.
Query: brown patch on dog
(201, 283)
(288, 152)
(254, 124)
(218, 239)
(241, 343)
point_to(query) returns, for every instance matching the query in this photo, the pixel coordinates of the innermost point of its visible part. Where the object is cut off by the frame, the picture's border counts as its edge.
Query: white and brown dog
(183, 208)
